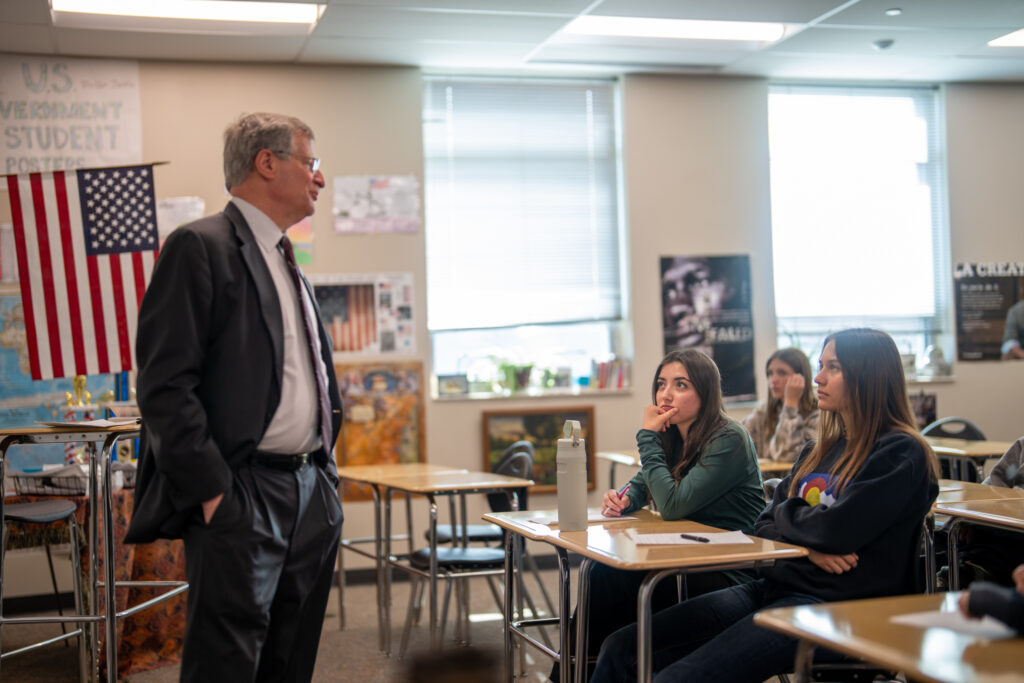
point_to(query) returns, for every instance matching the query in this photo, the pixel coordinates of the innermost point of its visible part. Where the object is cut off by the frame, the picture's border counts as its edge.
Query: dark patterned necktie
(311, 338)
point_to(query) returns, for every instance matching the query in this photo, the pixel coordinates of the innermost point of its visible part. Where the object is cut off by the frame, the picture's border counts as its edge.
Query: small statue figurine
(81, 397)
(936, 365)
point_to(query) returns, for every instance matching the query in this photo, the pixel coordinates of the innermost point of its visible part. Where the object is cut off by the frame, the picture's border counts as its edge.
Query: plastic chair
(952, 467)
(51, 512)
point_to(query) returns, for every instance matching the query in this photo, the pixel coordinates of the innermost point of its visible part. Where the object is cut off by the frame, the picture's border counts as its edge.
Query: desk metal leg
(804, 660)
(953, 553)
(93, 532)
(109, 559)
(434, 640)
(564, 610)
(582, 620)
(644, 661)
(509, 649)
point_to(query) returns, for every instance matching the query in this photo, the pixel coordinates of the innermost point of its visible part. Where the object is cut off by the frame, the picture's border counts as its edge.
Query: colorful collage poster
(706, 305)
(984, 292)
(370, 204)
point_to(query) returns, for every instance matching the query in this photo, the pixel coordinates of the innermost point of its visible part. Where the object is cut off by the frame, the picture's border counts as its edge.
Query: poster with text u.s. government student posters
(984, 294)
(706, 305)
(61, 113)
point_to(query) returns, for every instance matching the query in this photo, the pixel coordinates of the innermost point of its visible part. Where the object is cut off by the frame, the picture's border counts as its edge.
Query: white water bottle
(571, 468)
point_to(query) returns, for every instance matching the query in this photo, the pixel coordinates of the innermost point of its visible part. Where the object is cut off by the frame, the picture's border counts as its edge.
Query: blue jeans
(711, 637)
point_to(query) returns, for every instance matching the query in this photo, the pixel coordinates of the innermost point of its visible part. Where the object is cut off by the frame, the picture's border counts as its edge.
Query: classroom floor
(351, 654)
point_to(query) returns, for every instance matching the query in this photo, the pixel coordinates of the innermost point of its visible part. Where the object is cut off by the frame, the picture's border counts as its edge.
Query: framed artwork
(383, 404)
(543, 428)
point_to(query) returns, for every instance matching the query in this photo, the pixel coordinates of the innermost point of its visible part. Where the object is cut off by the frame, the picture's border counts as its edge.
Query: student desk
(768, 467)
(609, 543)
(965, 450)
(955, 491)
(99, 444)
(1002, 513)
(430, 481)
(862, 629)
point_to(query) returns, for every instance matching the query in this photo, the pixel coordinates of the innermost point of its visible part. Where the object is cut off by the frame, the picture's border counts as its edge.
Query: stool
(49, 512)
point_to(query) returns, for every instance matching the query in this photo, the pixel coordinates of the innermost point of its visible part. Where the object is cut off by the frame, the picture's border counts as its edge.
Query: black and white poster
(984, 294)
(706, 305)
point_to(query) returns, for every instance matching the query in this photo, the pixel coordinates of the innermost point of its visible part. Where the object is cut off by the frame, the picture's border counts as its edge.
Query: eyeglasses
(312, 163)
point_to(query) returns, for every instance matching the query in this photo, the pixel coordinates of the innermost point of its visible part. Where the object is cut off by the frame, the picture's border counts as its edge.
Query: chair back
(516, 463)
(954, 428)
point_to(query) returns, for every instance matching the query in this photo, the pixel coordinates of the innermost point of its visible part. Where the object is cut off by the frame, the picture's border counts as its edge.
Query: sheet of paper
(97, 424)
(986, 627)
(593, 515)
(718, 538)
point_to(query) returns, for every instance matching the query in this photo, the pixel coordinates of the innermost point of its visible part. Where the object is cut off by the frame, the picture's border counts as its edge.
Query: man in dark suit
(240, 411)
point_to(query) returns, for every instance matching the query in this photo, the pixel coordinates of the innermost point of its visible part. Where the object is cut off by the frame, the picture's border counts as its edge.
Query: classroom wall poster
(368, 204)
(706, 305)
(368, 313)
(383, 406)
(983, 293)
(62, 113)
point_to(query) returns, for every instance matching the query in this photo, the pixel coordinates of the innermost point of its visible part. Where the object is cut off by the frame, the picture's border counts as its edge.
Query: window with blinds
(859, 231)
(523, 221)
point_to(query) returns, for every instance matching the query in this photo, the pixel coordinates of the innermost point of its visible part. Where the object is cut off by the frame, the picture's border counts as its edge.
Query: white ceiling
(932, 40)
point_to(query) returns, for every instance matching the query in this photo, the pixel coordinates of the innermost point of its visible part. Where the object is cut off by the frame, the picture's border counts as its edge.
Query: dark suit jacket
(210, 351)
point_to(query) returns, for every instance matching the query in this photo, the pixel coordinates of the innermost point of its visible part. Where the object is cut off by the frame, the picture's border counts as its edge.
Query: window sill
(534, 393)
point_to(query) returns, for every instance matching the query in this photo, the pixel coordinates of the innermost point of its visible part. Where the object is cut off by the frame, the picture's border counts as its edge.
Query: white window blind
(522, 215)
(859, 235)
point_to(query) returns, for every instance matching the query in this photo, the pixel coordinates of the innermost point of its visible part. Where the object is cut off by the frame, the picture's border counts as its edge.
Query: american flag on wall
(86, 241)
(349, 314)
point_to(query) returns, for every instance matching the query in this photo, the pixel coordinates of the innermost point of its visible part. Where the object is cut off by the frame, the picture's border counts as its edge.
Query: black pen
(699, 539)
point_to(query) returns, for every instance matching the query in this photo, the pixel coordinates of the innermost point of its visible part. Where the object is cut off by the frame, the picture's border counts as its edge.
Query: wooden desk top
(774, 467)
(862, 628)
(968, 449)
(608, 542)
(89, 433)
(377, 474)
(619, 458)
(953, 491)
(1006, 512)
(633, 460)
(424, 478)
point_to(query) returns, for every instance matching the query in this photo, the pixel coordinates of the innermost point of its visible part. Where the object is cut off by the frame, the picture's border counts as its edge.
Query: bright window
(859, 235)
(524, 237)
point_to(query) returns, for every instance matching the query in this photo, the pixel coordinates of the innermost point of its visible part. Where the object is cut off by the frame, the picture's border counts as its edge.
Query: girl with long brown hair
(697, 464)
(856, 500)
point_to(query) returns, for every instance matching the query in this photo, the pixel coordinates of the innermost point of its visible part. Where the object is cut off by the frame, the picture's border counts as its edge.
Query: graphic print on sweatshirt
(817, 488)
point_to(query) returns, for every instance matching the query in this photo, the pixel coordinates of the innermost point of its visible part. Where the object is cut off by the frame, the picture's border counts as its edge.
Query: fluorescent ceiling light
(638, 27)
(203, 10)
(1015, 39)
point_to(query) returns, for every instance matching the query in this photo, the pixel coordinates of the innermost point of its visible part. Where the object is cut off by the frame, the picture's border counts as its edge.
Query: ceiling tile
(952, 14)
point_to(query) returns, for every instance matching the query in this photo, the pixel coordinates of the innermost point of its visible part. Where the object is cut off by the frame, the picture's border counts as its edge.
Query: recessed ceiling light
(638, 27)
(1015, 39)
(204, 10)
(893, 12)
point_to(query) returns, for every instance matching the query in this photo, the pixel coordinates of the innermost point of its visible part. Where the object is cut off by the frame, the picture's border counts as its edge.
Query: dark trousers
(613, 595)
(711, 638)
(259, 577)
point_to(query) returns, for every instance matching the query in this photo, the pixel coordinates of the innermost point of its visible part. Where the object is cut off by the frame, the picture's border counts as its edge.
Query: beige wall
(696, 179)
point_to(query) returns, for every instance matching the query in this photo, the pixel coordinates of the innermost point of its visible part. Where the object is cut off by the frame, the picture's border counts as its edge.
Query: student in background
(696, 464)
(1003, 603)
(789, 418)
(856, 499)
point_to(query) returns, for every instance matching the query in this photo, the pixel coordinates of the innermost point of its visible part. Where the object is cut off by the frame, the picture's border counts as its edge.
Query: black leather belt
(281, 461)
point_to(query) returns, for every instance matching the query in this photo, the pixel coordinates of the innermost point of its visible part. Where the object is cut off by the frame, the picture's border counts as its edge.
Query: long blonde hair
(876, 393)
